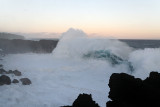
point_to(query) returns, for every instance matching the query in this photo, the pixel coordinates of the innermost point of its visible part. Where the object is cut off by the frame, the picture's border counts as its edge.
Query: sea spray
(145, 61)
(75, 43)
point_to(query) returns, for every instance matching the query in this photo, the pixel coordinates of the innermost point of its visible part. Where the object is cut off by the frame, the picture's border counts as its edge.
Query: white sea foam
(58, 78)
(75, 43)
(145, 61)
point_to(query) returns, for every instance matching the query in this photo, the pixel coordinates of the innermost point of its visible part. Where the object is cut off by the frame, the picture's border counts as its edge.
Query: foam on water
(58, 78)
(145, 61)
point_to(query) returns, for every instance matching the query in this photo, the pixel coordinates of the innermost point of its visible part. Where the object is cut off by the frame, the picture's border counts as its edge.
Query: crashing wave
(75, 43)
(110, 57)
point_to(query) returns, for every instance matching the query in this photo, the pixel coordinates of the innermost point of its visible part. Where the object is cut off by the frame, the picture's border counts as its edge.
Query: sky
(133, 19)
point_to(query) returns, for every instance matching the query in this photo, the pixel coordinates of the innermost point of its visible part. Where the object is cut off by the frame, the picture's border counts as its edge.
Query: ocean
(141, 44)
(79, 64)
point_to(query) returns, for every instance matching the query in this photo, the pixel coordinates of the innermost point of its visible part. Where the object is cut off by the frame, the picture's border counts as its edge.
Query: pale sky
(118, 18)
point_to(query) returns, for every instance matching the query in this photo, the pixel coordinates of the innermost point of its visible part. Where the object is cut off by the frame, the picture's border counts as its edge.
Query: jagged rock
(15, 81)
(25, 81)
(2, 71)
(5, 80)
(127, 91)
(1, 66)
(153, 80)
(17, 73)
(84, 100)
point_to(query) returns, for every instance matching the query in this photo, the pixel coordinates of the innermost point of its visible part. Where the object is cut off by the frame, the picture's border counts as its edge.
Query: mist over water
(75, 43)
(58, 78)
(145, 61)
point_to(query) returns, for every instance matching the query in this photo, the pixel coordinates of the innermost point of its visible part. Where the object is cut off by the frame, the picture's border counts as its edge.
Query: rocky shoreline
(128, 91)
(27, 46)
(6, 80)
(125, 90)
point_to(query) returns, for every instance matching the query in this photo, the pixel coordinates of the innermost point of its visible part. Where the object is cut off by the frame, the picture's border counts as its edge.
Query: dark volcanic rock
(5, 80)
(15, 81)
(25, 81)
(127, 91)
(17, 73)
(2, 71)
(153, 80)
(10, 71)
(84, 100)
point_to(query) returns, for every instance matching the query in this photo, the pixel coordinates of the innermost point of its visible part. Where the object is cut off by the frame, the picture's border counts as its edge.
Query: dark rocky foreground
(27, 46)
(84, 100)
(127, 91)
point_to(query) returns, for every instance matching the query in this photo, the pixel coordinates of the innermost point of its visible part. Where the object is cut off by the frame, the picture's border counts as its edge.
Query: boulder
(153, 80)
(9, 72)
(84, 100)
(2, 71)
(17, 73)
(15, 81)
(5, 80)
(25, 81)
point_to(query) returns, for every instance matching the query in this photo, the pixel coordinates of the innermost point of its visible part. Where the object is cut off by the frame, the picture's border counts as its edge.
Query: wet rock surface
(10, 72)
(25, 81)
(2, 71)
(5, 80)
(16, 73)
(127, 91)
(15, 81)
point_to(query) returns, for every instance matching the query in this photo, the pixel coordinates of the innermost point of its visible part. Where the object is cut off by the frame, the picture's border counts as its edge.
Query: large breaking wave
(76, 44)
